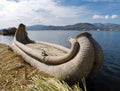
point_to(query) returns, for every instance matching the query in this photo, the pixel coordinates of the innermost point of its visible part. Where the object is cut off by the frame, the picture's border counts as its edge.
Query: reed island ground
(17, 75)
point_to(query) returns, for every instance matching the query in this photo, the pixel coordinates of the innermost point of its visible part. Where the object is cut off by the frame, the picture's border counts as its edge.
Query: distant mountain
(98, 25)
(107, 26)
(35, 27)
(78, 26)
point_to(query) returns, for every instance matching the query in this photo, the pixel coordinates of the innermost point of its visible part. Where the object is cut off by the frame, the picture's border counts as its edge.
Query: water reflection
(6, 39)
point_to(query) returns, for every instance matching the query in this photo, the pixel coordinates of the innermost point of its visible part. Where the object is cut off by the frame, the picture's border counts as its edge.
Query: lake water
(108, 79)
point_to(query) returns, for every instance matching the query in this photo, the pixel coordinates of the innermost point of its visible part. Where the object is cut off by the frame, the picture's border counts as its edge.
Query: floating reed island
(8, 31)
(83, 59)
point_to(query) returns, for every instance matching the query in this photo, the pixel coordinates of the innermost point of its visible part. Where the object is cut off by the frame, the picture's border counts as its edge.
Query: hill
(107, 26)
(78, 26)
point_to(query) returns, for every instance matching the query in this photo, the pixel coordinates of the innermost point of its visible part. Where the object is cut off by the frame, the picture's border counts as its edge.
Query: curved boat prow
(21, 35)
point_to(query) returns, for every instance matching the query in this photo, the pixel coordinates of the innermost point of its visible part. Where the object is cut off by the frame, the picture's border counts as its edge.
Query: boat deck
(49, 50)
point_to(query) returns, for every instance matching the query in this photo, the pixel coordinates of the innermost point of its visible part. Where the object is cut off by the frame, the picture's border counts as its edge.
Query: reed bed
(17, 75)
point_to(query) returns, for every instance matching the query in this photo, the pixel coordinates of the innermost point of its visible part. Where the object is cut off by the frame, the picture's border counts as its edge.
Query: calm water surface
(108, 79)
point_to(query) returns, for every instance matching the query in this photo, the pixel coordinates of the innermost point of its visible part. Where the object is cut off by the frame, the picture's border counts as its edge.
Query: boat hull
(80, 63)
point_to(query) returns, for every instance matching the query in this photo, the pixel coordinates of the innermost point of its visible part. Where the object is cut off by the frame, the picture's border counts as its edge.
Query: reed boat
(83, 59)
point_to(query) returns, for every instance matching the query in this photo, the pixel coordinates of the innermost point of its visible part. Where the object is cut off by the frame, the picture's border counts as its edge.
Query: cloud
(114, 16)
(106, 17)
(13, 12)
(98, 17)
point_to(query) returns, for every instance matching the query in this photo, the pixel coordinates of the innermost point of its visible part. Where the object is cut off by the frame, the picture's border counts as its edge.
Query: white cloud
(114, 16)
(98, 17)
(31, 12)
(106, 17)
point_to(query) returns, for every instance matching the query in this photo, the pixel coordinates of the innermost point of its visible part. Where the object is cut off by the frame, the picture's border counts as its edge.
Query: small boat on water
(83, 59)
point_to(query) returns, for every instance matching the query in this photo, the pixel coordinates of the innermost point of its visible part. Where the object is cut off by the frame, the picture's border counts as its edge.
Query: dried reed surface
(17, 75)
(49, 50)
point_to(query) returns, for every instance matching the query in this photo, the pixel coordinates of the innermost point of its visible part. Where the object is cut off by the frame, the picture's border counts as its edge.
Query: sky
(58, 12)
